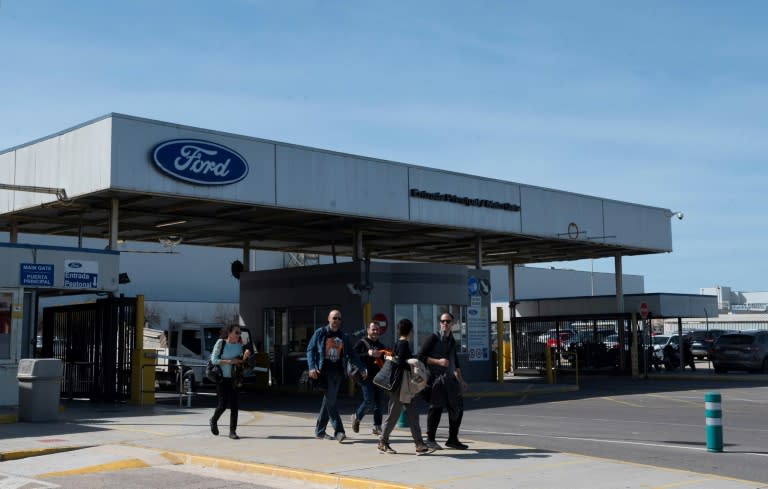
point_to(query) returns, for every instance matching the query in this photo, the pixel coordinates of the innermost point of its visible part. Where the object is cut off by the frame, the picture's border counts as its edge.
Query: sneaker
(355, 424)
(324, 436)
(423, 449)
(214, 428)
(341, 436)
(376, 430)
(456, 445)
(384, 447)
(433, 445)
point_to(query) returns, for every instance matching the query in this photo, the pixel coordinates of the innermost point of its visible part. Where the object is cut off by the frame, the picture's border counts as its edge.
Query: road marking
(605, 441)
(131, 463)
(631, 404)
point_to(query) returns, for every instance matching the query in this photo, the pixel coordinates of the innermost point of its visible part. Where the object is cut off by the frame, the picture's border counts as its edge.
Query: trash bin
(39, 388)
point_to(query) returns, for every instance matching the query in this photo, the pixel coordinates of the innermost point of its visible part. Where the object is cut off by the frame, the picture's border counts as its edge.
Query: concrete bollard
(714, 415)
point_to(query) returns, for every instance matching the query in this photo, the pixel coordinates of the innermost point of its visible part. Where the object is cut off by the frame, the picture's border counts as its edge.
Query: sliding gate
(95, 342)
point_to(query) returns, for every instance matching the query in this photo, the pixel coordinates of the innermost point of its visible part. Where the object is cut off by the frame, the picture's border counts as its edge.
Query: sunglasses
(446, 321)
(336, 318)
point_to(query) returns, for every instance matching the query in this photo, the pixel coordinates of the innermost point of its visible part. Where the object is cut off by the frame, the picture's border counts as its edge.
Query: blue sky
(654, 102)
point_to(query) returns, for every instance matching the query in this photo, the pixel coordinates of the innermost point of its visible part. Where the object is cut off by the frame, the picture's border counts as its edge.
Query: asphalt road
(654, 422)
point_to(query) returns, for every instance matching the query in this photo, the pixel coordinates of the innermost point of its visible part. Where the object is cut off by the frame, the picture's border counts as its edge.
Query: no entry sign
(381, 320)
(644, 310)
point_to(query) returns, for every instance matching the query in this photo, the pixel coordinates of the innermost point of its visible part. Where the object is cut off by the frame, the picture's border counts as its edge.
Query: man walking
(371, 351)
(327, 350)
(439, 353)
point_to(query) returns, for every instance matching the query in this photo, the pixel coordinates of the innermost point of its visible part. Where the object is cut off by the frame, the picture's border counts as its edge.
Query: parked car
(551, 333)
(747, 350)
(553, 342)
(702, 341)
(659, 341)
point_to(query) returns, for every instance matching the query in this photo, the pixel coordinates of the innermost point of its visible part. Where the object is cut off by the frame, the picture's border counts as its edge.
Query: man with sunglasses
(327, 351)
(439, 353)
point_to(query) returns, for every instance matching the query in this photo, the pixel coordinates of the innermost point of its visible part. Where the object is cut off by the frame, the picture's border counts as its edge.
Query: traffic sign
(644, 310)
(381, 320)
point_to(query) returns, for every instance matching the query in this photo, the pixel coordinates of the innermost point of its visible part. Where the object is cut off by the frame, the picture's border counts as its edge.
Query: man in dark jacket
(439, 353)
(371, 351)
(327, 351)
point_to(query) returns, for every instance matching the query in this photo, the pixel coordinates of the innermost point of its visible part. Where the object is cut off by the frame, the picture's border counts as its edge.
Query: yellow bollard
(548, 365)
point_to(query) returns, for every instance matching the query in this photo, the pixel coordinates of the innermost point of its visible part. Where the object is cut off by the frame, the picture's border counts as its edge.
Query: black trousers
(455, 414)
(228, 396)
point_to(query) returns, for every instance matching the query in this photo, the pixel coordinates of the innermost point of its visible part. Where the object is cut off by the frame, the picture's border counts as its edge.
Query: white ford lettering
(191, 158)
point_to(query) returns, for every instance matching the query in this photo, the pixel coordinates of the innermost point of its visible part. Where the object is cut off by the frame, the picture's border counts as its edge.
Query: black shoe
(214, 428)
(355, 424)
(456, 445)
(233, 435)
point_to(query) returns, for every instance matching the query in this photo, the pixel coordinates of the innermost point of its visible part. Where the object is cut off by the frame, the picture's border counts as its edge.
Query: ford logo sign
(473, 312)
(74, 264)
(201, 162)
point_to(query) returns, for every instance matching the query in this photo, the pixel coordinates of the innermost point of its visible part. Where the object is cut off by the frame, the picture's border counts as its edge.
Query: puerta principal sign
(200, 162)
(36, 275)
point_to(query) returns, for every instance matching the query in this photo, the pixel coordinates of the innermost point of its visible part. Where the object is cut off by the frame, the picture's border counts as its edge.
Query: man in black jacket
(371, 352)
(439, 353)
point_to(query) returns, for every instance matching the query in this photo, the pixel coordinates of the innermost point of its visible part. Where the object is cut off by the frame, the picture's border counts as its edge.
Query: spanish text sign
(81, 274)
(36, 275)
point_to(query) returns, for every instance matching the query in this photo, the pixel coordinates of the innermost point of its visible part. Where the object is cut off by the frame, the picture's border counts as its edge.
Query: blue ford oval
(75, 264)
(201, 162)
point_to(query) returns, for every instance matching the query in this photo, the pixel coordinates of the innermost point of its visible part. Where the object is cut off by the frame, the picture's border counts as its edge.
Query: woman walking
(401, 353)
(228, 353)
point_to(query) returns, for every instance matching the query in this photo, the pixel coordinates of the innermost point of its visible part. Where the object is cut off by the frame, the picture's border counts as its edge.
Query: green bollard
(714, 415)
(402, 421)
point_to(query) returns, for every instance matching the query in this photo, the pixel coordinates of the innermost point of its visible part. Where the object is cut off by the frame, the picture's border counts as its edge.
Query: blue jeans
(373, 400)
(328, 409)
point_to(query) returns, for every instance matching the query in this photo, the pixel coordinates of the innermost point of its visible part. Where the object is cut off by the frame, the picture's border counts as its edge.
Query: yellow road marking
(632, 404)
(131, 463)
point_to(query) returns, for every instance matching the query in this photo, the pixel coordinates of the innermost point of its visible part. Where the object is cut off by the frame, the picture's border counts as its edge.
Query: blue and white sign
(201, 162)
(36, 275)
(472, 286)
(81, 274)
(477, 334)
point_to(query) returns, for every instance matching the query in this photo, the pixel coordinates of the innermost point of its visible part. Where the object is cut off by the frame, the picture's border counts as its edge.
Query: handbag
(389, 376)
(212, 371)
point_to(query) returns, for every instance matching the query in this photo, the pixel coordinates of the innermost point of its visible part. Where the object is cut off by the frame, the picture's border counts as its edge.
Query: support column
(620, 308)
(619, 283)
(247, 256)
(478, 252)
(113, 219)
(14, 235)
(357, 246)
(510, 347)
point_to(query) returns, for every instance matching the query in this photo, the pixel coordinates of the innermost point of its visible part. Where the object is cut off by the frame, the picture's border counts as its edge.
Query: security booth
(283, 307)
(29, 272)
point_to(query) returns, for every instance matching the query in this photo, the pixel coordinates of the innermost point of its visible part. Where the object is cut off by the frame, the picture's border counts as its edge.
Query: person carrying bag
(399, 363)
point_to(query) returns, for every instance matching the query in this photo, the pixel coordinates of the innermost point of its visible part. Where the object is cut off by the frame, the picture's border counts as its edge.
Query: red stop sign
(381, 320)
(643, 310)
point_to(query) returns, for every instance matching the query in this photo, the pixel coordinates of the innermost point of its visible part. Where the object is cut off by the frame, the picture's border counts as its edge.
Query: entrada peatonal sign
(468, 201)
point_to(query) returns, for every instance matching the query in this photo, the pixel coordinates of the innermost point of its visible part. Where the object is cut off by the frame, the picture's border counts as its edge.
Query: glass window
(6, 302)
(425, 318)
(190, 339)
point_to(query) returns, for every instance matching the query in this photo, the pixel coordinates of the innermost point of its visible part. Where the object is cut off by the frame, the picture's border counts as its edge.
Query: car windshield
(660, 340)
(735, 339)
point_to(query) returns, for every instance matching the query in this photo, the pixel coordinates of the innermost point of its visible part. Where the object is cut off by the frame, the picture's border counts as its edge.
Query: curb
(303, 475)
(35, 452)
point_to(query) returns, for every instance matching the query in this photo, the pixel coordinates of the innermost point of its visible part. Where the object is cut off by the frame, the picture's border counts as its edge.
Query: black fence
(592, 344)
(95, 342)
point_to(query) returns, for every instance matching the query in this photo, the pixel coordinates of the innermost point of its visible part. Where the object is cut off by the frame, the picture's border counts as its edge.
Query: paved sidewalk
(93, 437)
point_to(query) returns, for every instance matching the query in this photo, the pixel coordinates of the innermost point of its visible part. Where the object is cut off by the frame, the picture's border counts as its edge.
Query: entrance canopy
(121, 177)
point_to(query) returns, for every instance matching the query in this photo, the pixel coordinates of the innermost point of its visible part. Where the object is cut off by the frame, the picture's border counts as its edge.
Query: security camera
(679, 215)
(352, 288)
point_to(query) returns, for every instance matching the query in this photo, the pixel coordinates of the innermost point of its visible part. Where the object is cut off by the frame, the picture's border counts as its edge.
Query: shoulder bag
(389, 376)
(213, 371)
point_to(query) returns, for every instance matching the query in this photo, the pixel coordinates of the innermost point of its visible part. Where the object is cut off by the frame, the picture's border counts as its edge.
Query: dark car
(702, 341)
(747, 350)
